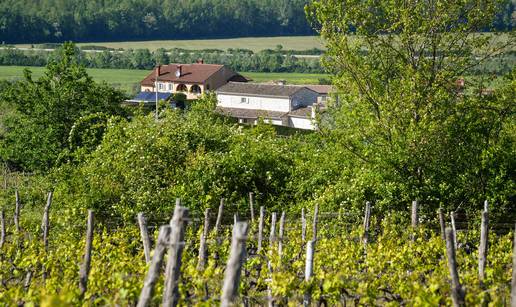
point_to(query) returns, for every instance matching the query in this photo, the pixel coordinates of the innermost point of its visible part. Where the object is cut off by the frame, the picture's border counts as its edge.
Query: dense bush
(143, 165)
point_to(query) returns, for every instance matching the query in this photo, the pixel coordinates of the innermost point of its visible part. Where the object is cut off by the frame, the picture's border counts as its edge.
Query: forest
(27, 21)
(108, 20)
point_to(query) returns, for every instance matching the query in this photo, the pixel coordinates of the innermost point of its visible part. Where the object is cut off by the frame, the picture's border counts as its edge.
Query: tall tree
(415, 131)
(46, 109)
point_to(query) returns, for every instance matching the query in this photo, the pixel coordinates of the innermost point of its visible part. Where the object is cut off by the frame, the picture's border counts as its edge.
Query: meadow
(128, 79)
(253, 43)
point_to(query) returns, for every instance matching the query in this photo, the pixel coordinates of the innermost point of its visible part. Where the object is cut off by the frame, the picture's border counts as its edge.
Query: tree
(415, 132)
(46, 109)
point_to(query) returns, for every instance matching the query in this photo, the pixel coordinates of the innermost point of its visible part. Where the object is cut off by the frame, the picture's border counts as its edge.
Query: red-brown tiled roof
(190, 73)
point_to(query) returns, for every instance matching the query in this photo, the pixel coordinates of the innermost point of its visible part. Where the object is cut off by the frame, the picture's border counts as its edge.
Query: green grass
(290, 78)
(128, 79)
(253, 43)
(124, 79)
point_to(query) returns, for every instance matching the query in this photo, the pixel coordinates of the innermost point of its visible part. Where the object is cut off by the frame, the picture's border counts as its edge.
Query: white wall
(277, 122)
(254, 103)
(301, 123)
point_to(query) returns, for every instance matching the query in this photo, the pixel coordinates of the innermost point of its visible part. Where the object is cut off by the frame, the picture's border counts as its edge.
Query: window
(169, 86)
(160, 86)
(244, 100)
(181, 88)
(195, 89)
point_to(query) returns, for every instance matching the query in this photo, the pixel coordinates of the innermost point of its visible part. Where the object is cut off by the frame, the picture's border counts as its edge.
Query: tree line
(57, 21)
(25, 21)
(237, 59)
(243, 60)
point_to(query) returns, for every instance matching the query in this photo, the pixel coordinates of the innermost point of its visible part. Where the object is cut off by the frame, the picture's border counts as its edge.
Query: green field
(128, 79)
(253, 43)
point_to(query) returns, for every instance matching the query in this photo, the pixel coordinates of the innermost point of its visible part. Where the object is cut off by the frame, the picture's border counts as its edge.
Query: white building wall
(254, 103)
(277, 122)
(301, 123)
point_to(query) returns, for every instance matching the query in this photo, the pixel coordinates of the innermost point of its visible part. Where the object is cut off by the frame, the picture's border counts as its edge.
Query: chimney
(159, 70)
(200, 61)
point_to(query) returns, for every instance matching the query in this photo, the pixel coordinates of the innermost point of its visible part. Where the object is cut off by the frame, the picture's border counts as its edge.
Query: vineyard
(254, 258)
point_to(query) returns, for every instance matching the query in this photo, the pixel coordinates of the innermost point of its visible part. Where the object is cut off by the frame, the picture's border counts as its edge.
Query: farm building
(282, 105)
(191, 79)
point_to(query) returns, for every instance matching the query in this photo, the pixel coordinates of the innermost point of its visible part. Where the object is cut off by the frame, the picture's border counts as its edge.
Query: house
(282, 105)
(191, 79)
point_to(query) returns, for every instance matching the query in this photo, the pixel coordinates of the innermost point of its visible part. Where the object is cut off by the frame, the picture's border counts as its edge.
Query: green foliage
(50, 21)
(143, 165)
(411, 131)
(390, 270)
(240, 60)
(45, 110)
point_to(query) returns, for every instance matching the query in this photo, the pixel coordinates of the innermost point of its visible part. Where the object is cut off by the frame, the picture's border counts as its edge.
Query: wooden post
(414, 218)
(234, 265)
(2, 228)
(45, 223)
(454, 228)
(28, 279)
(414, 215)
(513, 282)
(175, 252)
(314, 225)
(17, 212)
(482, 249)
(272, 235)
(260, 229)
(5, 176)
(281, 229)
(153, 274)
(309, 264)
(203, 251)
(367, 221)
(458, 293)
(303, 225)
(442, 223)
(251, 205)
(145, 236)
(219, 216)
(85, 268)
